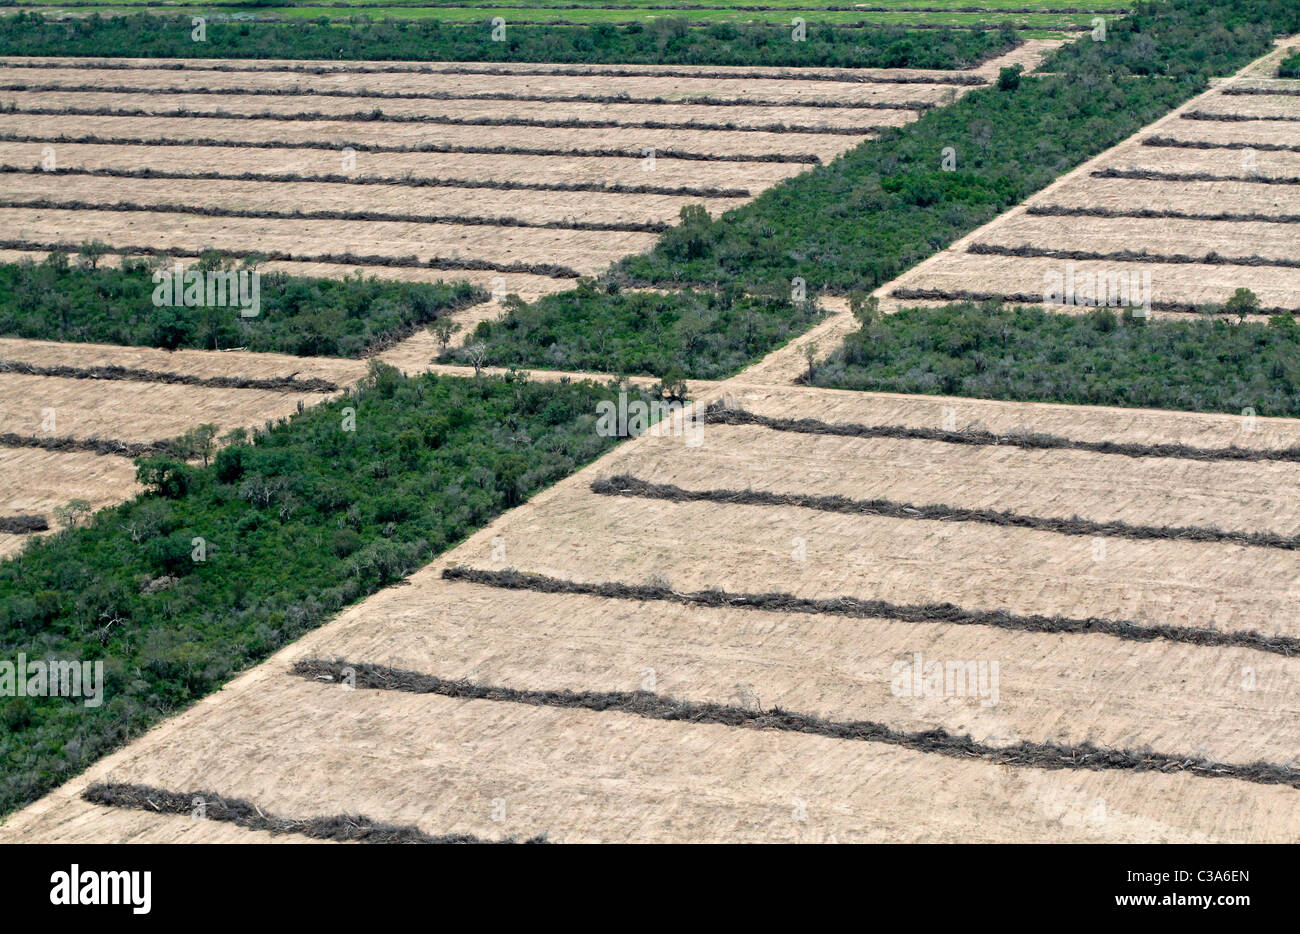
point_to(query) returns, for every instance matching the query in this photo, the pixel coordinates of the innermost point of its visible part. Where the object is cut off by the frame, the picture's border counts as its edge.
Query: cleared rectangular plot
(1191, 283)
(1272, 132)
(1213, 161)
(546, 170)
(37, 481)
(579, 776)
(1078, 422)
(1250, 105)
(720, 143)
(131, 411)
(668, 88)
(533, 207)
(1153, 235)
(1236, 495)
(202, 363)
(503, 110)
(1124, 194)
(1050, 688)
(750, 549)
(582, 250)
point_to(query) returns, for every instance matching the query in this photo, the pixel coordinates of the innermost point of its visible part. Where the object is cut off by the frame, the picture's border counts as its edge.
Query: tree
(809, 351)
(73, 513)
(198, 442)
(164, 476)
(91, 253)
(1009, 77)
(477, 355)
(442, 330)
(865, 308)
(1242, 303)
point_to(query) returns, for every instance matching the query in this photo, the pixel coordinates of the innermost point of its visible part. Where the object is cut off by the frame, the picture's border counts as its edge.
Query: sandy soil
(131, 411)
(37, 481)
(666, 173)
(629, 114)
(582, 250)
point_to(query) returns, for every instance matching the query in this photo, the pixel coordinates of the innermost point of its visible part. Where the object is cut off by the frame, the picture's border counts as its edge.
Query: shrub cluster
(296, 521)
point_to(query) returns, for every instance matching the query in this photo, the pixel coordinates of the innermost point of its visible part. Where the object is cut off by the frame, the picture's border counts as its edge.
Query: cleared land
(1160, 651)
(131, 411)
(547, 170)
(1238, 228)
(567, 772)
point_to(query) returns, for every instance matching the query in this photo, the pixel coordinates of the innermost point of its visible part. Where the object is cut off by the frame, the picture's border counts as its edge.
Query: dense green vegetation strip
(1290, 67)
(701, 335)
(1032, 355)
(292, 524)
(666, 42)
(57, 300)
(862, 219)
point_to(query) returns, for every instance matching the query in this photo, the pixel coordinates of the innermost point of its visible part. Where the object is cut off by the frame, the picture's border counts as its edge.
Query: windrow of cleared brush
(377, 116)
(464, 220)
(299, 91)
(1060, 210)
(277, 384)
(886, 76)
(718, 413)
(346, 828)
(628, 485)
(654, 706)
(857, 608)
(406, 181)
(1133, 256)
(337, 146)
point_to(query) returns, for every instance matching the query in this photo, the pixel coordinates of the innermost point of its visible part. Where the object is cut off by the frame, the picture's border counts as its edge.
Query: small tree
(73, 513)
(1242, 303)
(442, 330)
(477, 355)
(809, 352)
(1009, 77)
(91, 253)
(199, 442)
(865, 308)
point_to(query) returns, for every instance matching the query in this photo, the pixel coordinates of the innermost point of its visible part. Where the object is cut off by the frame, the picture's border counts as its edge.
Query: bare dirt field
(726, 119)
(1217, 206)
(1106, 621)
(480, 167)
(583, 776)
(126, 410)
